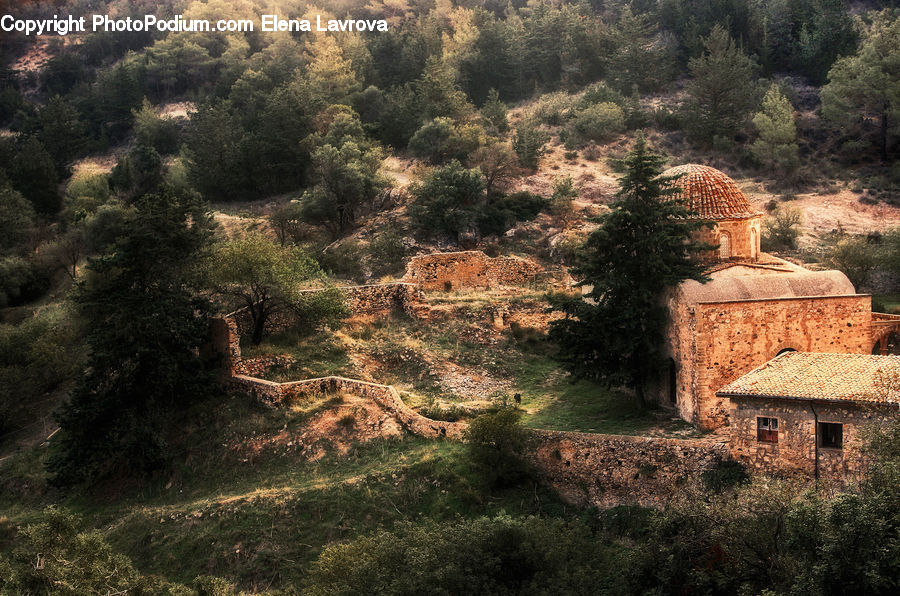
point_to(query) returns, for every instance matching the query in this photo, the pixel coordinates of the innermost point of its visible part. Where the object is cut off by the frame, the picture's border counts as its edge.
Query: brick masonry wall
(469, 269)
(610, 470)
(795, 452)
(732, 338)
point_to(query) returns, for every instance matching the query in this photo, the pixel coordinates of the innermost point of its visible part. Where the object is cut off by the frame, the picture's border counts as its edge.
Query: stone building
(714, 197)
(755, 307)
(804, 412)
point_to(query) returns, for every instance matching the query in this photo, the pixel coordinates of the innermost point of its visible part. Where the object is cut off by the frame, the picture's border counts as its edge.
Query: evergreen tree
(145, 327)
(776, 146)
(867, 84)
(722, 89)
(642, 247)
(32, 172)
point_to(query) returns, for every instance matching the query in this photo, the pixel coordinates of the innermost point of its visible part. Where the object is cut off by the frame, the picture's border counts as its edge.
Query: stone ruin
(449, 271)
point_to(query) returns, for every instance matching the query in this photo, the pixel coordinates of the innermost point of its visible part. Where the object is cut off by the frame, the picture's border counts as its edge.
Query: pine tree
(776, 146)
(145, 328)
(867, 84)
(722, 89)
(642, 247)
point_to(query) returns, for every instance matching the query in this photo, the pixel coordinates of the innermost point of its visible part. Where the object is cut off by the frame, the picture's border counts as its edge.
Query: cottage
(805, 412)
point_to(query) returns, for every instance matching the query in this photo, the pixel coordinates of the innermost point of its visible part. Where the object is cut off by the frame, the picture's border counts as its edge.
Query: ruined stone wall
(609, 470)
(381, 298)
(469, 269)
(274, 394)
(733, 338)
(795, 452)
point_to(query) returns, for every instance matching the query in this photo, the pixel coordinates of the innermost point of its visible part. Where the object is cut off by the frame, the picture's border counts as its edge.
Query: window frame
(767, 430)
(821, 433)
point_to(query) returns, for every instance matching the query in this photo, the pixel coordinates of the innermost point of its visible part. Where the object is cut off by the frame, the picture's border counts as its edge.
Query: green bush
(781, 230)
(36, 356)
(529, 144)
(441, 140)
(56, 556)
(503, 555)
(496, 445)
(387, 253)
(724, 474)
(600, 93)
(22, 281)
(599, 122)
(343, 260)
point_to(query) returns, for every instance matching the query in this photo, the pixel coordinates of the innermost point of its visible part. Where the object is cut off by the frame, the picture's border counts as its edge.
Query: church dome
(710, 193)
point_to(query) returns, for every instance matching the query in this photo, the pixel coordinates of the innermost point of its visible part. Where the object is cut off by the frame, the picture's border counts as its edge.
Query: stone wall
(274, 394)
(610, 470)
(795, 452)
(469, 269)
(724, 340)
(744, 235)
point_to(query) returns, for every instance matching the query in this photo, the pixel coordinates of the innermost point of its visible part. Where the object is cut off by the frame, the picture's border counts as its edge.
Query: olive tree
(267, 278)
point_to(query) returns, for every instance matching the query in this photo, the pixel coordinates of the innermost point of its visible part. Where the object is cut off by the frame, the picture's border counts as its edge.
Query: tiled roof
(830, 377)
(710, 193)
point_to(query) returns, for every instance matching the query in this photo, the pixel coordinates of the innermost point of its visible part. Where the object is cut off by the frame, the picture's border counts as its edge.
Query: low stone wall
(381, 298)
(610, 470)
(469, 269)
(273, 394)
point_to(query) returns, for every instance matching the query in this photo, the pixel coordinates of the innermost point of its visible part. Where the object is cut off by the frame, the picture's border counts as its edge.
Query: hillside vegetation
(150, 182)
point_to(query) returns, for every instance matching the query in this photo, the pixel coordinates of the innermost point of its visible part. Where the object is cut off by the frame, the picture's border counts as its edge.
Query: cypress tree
(615, 334)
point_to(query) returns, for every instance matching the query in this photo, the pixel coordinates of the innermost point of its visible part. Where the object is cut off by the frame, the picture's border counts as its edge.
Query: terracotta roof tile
(710, 193)
(859, 378)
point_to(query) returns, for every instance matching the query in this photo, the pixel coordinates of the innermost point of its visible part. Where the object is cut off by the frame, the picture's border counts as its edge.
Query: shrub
(854, 257)
(529, 144)
(496, 444)
(780, 231)
(451, 413)
(599, 122)
(553, 108)
(22, 281)
(724, 474)
(387, 253)
(600, 93)
(343, 260)
(441, 140)
(55, 556)
(503, 555)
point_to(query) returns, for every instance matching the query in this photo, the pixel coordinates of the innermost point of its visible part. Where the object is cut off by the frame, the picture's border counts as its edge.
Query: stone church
(755, 307)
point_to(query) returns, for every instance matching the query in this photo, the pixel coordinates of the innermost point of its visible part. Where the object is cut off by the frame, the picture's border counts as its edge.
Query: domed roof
(710, 193)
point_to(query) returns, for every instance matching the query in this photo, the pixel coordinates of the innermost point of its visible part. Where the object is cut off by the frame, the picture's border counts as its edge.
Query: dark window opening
(780, 352)
(831, 435)
(673, 382)
(767, 429)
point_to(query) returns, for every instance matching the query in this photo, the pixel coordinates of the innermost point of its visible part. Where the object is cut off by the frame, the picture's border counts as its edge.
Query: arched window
(725, 246)
(754, 243)
(783, 350)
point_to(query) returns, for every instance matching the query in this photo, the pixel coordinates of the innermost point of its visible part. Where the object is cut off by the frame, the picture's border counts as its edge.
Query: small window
(767, 430)
(831, 435)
